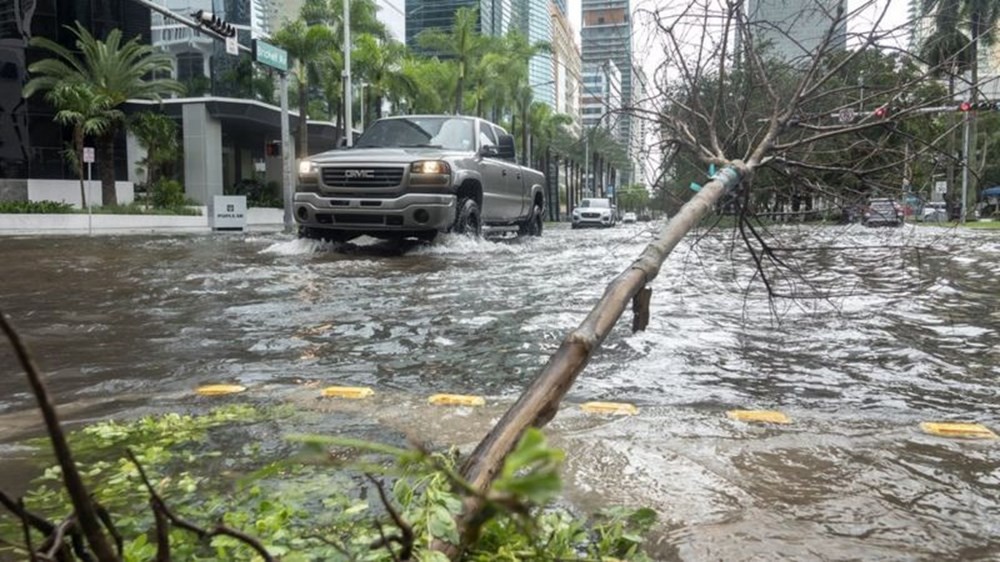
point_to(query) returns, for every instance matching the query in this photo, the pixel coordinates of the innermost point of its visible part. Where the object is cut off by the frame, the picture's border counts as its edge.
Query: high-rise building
(566, 68)
(601, 91)
(607, 36)
(493, 16)
(31, 143)
(792, 30)
(531, 18)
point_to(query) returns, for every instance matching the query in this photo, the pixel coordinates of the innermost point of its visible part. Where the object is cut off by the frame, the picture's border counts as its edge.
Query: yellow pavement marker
(762, 416)
(617, 408)
(954, 429)
(348, 392)
(219, 389)
(456, 400)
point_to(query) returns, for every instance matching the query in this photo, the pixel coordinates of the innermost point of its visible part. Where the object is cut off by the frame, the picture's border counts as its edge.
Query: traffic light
(979, 106)
(882, 112)
(216, 24)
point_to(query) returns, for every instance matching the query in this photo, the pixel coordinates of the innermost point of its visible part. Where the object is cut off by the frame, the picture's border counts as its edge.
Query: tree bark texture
(539, 403)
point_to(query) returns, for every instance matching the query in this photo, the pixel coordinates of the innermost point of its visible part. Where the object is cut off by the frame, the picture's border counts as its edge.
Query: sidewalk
(258, 220)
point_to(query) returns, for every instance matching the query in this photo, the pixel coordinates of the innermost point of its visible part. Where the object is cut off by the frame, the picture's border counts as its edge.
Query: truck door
(514, 197)
(494, 178)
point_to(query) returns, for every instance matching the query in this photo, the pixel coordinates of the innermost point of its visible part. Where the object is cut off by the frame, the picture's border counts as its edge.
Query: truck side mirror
(490, 151)
(505, 146)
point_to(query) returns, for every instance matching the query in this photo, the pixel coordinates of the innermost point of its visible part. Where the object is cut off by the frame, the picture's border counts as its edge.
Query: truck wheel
(467, 221)
(532, 226)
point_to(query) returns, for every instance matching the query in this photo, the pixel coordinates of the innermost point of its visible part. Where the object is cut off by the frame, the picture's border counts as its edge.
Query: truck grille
(362, 176)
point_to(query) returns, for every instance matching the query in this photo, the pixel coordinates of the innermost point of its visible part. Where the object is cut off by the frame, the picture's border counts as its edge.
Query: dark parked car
(883, 212)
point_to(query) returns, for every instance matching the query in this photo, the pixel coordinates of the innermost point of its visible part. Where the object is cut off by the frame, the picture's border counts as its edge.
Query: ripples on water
(884, 328)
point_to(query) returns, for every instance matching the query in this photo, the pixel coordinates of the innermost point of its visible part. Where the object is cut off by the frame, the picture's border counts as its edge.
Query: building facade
(566, 66)
(792, 30)
(601, 94)
(607, 36)
(494, 16)
(31, 143)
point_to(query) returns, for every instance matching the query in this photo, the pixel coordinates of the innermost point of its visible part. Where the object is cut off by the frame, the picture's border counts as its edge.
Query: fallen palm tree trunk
(539, 403)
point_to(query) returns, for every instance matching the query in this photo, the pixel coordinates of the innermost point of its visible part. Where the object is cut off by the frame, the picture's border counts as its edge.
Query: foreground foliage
(302, 508)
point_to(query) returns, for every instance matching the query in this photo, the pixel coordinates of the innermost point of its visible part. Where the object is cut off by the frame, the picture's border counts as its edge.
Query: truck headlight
(430, 172)
(307, 168)
(430, 167)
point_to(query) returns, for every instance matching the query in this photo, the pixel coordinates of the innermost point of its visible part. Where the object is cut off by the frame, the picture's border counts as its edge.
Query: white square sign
(88, 154)
(232, 46)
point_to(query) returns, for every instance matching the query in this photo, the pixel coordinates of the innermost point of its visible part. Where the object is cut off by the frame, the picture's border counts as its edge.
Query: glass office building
(30, 141)
(607, 36)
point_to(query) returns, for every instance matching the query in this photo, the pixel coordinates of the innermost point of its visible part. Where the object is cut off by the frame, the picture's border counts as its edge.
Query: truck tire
(467, 220)
(532, 226)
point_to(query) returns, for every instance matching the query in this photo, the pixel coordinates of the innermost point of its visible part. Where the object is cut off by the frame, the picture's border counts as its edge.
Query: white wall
(68, 191)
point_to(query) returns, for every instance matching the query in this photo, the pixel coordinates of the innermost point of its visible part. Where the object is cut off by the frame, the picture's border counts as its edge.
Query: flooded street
(876, 331)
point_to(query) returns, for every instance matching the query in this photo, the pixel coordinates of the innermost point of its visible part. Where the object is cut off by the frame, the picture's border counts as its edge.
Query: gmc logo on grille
(366, 174)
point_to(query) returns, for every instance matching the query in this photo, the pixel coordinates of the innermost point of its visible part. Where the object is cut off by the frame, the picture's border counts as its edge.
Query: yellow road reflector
(219, 389)
(348, 392)
(763, 416)
(618, 408)
(954, 429)
(456, 400)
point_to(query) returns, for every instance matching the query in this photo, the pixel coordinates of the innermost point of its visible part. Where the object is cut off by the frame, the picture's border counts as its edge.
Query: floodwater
(873, 331)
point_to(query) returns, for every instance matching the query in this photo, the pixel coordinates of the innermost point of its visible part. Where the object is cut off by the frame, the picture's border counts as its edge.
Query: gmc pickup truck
(416, 176)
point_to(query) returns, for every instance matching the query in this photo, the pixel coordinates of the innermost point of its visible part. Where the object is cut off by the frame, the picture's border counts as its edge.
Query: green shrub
(168, 194)
(35, 207)
(259, 194)
(136, 208)
(310, 506)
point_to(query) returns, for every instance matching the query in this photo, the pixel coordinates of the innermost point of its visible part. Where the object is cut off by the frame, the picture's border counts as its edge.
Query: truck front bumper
(408, 212)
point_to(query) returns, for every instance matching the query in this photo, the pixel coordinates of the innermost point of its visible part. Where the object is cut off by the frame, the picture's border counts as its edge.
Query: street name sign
(270, 55)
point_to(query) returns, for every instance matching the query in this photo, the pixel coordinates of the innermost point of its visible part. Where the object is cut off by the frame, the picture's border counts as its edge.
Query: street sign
(941, 187)
(270, 55)
(88, 154)
(846, 115)
(232, 46)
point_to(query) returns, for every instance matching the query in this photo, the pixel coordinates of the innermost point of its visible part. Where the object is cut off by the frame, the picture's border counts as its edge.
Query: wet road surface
(876, 331)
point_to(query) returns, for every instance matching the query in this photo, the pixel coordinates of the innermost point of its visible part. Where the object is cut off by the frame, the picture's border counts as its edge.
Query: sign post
(277, 58)
(88, 157)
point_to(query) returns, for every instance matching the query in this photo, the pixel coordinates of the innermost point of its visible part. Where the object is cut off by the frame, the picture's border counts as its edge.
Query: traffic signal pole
(966, 149)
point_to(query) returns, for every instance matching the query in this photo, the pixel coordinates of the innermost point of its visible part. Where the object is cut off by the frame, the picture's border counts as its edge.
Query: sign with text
(228, 212)
(232, 46)
(269, 55)
(88, 154)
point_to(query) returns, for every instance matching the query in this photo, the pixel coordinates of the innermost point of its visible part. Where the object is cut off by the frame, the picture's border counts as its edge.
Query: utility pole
(348, 102)
(287, 158)
(966, 149)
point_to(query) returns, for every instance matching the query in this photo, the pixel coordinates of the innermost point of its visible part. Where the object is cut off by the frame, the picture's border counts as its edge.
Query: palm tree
(948, 44)
(462, 45)
(380, 64)
(307, 45)
(156, 133)
(327, 70)
(117, 72)
(89, 112)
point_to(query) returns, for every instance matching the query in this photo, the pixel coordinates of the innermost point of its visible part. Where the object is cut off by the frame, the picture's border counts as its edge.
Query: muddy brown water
(877, 330)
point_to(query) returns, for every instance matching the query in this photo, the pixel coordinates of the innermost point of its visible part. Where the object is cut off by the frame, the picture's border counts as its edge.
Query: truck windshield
(450, 133)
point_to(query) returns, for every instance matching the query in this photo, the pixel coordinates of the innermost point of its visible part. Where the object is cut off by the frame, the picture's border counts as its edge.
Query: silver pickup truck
(416, 176)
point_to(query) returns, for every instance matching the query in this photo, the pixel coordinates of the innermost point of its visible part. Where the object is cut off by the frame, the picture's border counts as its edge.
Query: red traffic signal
(881, 112)
(965, 106)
